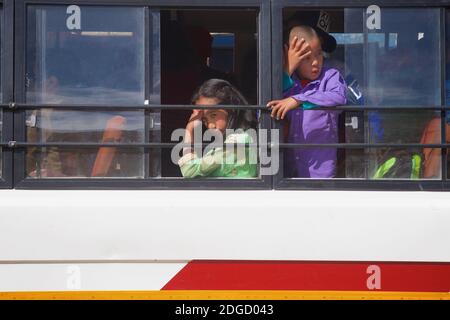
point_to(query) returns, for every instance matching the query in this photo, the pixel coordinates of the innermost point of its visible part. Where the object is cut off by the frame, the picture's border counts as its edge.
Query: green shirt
(231, 162)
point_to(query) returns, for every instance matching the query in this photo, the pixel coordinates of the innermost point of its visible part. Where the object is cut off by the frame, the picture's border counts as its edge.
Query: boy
(312, 86)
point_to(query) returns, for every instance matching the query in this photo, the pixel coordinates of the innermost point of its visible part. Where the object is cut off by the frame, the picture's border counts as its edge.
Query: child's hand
(295, 53)
(281, 107)
(194, 124)
(195, 120)
(197, 114)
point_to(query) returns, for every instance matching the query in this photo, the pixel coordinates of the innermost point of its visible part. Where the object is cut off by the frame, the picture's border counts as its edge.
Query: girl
(219, 162)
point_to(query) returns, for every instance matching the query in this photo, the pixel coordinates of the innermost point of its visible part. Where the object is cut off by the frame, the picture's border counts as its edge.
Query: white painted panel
(86, 277)
(185, 225)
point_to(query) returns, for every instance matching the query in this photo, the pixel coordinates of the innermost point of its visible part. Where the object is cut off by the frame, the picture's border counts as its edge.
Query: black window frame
(280, 182)
(264, 82)
(269, 81)
(7, 43)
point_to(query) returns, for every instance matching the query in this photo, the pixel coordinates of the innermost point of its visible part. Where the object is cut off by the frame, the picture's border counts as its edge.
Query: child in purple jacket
(311, 87)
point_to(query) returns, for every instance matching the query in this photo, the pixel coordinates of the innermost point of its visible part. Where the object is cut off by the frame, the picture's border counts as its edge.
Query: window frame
(283, 183)
(269, 80)
(7, 41)
(264, 76)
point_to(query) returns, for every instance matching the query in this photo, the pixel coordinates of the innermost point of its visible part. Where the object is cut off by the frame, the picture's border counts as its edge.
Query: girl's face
(214, 119)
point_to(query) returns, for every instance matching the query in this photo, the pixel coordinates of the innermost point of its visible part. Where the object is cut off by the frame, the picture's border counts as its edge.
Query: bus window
(1, 130)
(403, 71)
(434, 162)
(397, 66)
(447, 87)
(210, 44)
(51, 125)
(84, 55)
(1, 99)
(98, 55)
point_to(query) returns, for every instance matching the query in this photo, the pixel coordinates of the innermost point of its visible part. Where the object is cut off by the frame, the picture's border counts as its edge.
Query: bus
(93, 205)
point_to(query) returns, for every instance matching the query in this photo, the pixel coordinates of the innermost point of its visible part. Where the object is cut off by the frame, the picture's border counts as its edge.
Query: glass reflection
(100, 62)
(1, 139)
(85, 55)
(85, 126)
(1, 97)
(403, 71)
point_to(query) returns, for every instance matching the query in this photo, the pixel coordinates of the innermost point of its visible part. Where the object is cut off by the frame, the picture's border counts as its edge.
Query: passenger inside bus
(384, 62)
(186, 64)
(226, 162)
(184, 68)
(432, 133)
(309, 85)
(321, 21)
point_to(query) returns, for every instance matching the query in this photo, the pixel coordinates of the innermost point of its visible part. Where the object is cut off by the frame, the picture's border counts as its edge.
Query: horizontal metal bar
(14, 144)
(148, 183)
(363, 184)
(28, 106)
(163, 4)
(359, 3)
(171, 183)
(363, 145)
(128, 107)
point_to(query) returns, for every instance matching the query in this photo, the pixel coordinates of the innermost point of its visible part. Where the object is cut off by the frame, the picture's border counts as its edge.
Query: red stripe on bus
(290, 275)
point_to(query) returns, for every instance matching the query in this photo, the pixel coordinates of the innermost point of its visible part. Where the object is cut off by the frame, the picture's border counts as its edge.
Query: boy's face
(310, 67)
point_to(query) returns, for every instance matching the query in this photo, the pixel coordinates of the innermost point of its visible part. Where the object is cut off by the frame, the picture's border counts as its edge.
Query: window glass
(403, 71)
(1, 92)
(95, 54)
(447, 86)
(395, 64)
(52, 125)
(222, 53)
(1, 139)
(85, 55)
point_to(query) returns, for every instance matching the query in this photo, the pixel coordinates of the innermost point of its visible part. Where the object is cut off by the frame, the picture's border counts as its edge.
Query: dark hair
(320, 21)
(226, 94)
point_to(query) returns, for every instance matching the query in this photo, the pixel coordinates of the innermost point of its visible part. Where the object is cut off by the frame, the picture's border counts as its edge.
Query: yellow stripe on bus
(223, 295)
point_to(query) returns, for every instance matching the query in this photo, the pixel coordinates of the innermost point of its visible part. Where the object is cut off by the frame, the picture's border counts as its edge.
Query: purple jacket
(315, 126)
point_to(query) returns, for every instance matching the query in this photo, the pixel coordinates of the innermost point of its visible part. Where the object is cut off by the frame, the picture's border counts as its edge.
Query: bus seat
(113, 133)
(432, 156)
